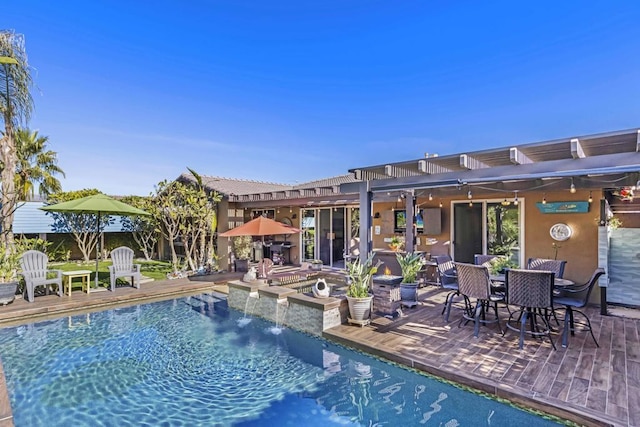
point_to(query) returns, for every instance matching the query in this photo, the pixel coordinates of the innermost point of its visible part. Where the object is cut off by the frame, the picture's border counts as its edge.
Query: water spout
(277, 329)
(253, 297)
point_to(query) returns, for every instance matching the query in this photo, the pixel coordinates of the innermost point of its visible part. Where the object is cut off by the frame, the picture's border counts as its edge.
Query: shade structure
(260, 226)
(99, 204)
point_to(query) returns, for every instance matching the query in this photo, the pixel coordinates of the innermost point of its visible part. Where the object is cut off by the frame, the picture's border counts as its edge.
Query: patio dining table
(558, 282)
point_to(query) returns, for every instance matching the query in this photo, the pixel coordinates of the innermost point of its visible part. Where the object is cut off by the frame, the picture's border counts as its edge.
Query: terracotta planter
(360, 310)
(8, 292)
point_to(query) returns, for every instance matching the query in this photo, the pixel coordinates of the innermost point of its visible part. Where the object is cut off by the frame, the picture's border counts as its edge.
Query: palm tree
(35, 165)
(16, 105)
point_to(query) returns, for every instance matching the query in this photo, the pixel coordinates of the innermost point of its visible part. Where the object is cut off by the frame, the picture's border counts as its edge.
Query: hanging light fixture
(515, 199)
(470, 203)
(590, 197)
(290, 209)
(505, 202)
(430, 197)
(469, 195)
(544, 198)
(572, 189)
(440, 204)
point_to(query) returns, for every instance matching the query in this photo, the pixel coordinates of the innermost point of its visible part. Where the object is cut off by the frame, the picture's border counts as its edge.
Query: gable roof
(233, 186)
(241, 190)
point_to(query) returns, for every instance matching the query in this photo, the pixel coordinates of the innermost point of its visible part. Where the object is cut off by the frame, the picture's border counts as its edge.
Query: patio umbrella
(99, 204)
(260, 226)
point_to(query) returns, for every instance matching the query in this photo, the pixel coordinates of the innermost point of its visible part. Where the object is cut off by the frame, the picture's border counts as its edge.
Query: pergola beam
(517, 157)
(427, 167)
(576, 149)
(469, 162)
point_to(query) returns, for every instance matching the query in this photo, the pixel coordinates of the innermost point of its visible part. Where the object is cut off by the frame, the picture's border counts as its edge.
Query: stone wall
(298, 311)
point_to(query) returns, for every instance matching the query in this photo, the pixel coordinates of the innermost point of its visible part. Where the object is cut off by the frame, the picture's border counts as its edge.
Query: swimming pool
(188, 362)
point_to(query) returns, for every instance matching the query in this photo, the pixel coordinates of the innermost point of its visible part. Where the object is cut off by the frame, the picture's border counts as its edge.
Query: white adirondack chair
(35, 272)
(123, 266)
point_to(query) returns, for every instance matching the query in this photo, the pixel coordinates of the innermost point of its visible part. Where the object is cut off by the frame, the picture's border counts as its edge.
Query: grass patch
(155, 269)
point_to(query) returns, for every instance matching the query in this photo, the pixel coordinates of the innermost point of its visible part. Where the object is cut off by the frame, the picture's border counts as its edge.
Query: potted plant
(410, 264)
(9, 263)
(500, 263)
(242, 246)
(359, 274)
(395, 244)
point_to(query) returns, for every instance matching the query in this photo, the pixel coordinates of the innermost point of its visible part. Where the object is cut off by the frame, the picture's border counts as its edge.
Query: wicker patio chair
(474, 282)
(541, 264)
(532, 291)
(480, 259)
(448, 280)
(575, 297)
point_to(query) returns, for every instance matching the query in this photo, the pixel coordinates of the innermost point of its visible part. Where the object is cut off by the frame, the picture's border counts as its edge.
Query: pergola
(606, 160)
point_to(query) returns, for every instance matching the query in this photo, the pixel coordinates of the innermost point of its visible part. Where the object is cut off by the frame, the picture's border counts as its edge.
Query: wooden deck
(590, 385)
(583, 383)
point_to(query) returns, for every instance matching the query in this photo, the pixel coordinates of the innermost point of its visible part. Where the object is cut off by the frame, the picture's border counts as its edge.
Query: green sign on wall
(563, 207)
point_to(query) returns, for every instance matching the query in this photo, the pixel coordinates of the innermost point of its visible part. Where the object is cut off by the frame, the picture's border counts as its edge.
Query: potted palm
(359, 274)
(9, 262)
(410, 264)
(242, 246)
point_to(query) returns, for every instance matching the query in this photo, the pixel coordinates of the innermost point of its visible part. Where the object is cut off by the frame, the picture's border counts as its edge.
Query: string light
(440, 203)
(430, 197)
(515, 199)
(469, 195)
(544, 198)
(470, 203)
(590, 197)
(572, 189)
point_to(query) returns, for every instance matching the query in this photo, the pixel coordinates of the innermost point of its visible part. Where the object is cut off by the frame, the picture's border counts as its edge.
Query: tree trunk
(8, 156)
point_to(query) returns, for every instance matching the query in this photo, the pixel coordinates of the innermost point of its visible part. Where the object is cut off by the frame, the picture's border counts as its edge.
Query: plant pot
(8, 292)
(360, 310)
(409, 294)
(242, 265)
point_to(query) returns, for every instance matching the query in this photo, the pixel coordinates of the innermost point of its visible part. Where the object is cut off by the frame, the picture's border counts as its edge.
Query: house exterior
(550, 199)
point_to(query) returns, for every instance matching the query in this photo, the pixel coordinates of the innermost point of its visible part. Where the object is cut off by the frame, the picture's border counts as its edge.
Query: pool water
(188, 362)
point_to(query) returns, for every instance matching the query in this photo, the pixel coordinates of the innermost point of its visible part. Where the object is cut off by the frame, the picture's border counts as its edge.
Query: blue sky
(134, 92)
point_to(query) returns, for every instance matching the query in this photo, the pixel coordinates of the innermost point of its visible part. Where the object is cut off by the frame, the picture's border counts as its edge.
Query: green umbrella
(99, 204)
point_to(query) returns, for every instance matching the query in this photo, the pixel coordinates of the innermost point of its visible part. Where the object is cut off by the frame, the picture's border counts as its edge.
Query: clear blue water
(187, 362)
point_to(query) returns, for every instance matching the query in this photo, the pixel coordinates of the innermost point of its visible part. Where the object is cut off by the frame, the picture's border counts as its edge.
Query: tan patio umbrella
(98, 204)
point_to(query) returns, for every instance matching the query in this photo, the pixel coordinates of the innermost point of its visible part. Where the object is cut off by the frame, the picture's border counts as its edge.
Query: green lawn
(155, 269)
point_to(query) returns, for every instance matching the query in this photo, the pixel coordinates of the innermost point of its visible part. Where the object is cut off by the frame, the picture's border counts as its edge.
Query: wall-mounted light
(572, 189)
(590, 197)
(376, 215)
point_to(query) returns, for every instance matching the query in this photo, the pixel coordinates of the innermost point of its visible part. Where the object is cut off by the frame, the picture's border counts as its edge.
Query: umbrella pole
(97, 250)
